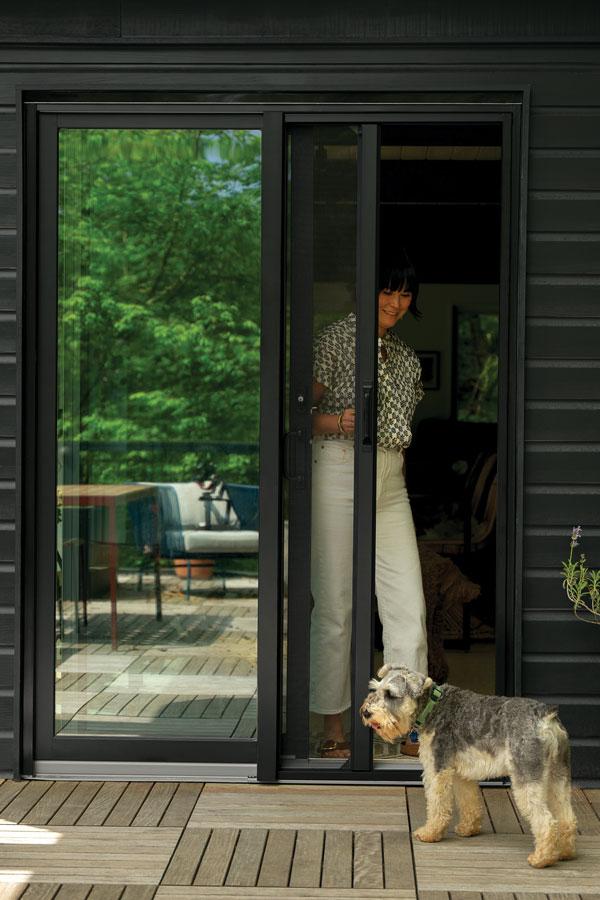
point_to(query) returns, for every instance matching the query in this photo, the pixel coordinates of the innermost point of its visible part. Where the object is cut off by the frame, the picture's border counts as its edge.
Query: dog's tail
(553, 735)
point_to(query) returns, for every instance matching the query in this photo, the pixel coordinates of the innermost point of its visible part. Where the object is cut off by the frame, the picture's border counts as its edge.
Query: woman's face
(393, 305)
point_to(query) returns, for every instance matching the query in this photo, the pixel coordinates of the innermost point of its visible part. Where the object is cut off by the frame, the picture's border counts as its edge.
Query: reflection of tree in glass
(477, 355)
(159, 281)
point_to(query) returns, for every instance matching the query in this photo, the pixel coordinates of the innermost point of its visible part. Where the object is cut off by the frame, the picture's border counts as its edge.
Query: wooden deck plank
(217, 857)
(398, 870)
(247, 857)
(587, 820)
(76, 803)
(434, 895)
(73, 891)
(8, 792)
(181, 805)
(139, 892)
(368, 860)
(86, 855)
(49, 803)
(11, 891)
(501, 811)
(106, 892)
(308, 857)
(259, 893)
(498, 863)
(103, 803)
(337, 859)
(128, 803)
(39, 891)
(300, 806)
(593, 796)
(277, 860)
(155, 804)
(187, 856)
(25, 800)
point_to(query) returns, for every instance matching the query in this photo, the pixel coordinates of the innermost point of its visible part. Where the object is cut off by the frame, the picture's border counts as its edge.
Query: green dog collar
(435, 696)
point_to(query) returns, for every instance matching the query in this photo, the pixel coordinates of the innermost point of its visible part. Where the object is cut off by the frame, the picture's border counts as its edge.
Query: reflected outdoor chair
(195, 523)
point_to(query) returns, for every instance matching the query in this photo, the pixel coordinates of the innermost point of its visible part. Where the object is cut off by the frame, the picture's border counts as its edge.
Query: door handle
(367, 415)
(291, 440)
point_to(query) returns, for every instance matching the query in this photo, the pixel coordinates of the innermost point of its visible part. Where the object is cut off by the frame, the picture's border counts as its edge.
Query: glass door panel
(158, 334)
(323, 419)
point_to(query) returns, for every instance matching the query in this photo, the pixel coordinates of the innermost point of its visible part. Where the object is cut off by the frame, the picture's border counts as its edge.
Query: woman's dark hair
(401, 275)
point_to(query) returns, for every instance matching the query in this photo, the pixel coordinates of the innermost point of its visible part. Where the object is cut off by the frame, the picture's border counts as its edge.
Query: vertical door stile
(301, 278)
(365, 437)
(271, 431)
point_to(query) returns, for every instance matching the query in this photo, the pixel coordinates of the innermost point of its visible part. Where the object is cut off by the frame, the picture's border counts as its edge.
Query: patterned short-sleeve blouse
(399, 380)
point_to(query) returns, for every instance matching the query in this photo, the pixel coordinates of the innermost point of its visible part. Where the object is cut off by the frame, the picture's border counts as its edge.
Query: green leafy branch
(582, 584)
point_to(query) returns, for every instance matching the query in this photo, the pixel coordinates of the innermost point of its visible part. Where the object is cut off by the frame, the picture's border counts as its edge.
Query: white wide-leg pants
(398, 583)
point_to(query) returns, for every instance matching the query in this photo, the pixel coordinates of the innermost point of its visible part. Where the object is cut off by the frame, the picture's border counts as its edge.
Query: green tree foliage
(159, 299)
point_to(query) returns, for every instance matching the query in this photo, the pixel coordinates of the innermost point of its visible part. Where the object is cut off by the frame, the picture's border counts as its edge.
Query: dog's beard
(386, 727)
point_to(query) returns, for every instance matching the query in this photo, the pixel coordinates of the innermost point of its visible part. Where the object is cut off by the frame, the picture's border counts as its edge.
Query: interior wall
(434, 332)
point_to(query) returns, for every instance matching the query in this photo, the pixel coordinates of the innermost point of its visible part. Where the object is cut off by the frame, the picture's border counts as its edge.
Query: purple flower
(575, 535)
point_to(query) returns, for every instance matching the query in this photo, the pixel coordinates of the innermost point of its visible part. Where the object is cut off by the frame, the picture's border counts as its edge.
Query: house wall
(137, 46)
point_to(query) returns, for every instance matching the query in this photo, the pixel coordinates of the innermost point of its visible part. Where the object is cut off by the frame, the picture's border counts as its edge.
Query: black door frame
(510, 110)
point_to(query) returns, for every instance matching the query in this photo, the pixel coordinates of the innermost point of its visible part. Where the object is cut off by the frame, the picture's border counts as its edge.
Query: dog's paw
(540, 860)
(468, 829)
(427, 835)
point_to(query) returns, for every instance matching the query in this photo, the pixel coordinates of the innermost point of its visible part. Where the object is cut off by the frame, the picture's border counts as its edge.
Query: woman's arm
(328, 424)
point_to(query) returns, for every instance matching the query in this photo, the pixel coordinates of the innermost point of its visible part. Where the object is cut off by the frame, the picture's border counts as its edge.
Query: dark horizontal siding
(7, 459)
(7, 586)
(563, 254)
(8, 249)
(8, 291)
(545, 547)
(543, 588)
(584, 759)
(564, 211)
(8, 418)
(7, 544)
(564, 170)
(553, 631)
(8, 169)
(568, 674)
(572, 379)
(563, 295)
(562, 421)
(566, 128)
(562, 505)
(558, 463)
(573, 338)
(8, 209)
(8, 379)
(81, 19)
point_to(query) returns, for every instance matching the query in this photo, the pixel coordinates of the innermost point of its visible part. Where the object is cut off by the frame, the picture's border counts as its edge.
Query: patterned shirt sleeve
(324, 358)
(419, 390)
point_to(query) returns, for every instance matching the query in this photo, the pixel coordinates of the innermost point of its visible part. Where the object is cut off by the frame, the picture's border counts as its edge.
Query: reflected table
(107, 495)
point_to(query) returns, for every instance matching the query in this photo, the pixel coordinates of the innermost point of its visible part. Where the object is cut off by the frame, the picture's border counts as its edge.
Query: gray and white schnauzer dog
(466, 738)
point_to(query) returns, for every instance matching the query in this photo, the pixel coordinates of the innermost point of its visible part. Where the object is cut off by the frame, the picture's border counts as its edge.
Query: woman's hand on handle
(348, 420)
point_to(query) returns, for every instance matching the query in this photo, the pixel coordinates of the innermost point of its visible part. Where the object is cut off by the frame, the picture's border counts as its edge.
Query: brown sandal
(330, 749)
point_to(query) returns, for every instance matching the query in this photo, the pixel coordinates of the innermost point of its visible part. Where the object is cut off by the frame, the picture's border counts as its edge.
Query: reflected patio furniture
(200, 523)
(107, 495)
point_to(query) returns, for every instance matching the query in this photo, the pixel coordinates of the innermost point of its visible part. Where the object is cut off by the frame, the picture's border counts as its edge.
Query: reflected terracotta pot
(199, 568)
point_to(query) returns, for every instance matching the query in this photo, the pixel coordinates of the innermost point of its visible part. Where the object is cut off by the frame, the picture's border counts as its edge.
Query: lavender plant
(582, 584)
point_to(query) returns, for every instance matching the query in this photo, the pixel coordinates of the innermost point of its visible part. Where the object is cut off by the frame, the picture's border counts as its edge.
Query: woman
(397, 575)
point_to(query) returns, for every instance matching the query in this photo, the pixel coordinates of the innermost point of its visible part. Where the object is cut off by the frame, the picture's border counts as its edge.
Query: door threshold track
(143, 771)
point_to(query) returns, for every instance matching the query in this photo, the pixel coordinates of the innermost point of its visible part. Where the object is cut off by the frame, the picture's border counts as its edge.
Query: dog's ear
(382, 672)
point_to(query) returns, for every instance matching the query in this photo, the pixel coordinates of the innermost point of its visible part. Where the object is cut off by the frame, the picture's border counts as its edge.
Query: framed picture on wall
(430, 368)
(475, 365)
